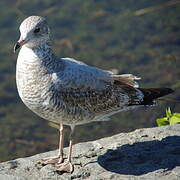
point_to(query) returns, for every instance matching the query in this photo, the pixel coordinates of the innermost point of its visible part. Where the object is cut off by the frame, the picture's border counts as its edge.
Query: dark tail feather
(150, 94)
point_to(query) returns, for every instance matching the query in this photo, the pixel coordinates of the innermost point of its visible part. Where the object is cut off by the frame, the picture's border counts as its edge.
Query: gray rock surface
(152, 154)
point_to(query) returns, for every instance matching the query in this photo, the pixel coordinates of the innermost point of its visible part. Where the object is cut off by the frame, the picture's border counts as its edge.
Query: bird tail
(150, 94)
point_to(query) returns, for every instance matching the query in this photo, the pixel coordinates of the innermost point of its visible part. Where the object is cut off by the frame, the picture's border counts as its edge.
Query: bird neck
(41, 56)
(43, 51)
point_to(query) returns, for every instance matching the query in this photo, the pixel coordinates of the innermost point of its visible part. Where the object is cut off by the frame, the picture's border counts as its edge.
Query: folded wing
(77, 75)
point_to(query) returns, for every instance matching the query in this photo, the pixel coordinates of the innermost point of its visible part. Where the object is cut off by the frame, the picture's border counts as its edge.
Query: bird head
(34, 32)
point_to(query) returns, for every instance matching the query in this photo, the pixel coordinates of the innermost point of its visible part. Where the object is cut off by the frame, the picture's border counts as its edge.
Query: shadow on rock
(143, 157)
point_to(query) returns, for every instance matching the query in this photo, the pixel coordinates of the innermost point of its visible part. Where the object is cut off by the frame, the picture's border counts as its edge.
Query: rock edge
(151, 153)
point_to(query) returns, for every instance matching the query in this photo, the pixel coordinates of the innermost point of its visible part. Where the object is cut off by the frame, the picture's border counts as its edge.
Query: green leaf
(176, 114)
(174, 119)
(162, 121)
(168, 113)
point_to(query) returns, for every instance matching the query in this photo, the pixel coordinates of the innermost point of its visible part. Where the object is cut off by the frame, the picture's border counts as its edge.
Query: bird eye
(36, 30)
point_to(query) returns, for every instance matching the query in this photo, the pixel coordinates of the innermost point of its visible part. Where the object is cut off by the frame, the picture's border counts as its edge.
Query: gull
(69, 92)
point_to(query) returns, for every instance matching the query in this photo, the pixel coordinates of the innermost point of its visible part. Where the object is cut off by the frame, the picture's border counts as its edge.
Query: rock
(144, 154)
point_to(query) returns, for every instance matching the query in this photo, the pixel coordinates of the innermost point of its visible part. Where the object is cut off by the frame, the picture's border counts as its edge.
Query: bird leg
(67, 165)
(59, 157)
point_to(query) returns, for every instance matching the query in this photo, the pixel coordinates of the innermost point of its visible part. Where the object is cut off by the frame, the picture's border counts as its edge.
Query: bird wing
(92, 89)
(78, 75)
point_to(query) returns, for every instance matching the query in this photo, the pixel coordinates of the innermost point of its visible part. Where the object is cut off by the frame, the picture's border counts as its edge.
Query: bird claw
(65, 167)
(51, 160)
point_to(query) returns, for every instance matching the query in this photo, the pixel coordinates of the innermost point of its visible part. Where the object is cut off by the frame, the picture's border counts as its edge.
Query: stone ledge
(152, 153)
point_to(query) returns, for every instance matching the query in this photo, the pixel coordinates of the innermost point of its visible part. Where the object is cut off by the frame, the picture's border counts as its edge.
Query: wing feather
(127, 79)
(77, 75)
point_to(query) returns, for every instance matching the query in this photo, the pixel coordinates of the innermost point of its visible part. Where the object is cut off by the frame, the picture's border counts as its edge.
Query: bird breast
(31, 77)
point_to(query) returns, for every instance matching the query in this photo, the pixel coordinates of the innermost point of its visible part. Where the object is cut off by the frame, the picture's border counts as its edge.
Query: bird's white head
(34, 32)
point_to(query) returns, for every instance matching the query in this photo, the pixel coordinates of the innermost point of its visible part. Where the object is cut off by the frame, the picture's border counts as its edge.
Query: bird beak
(19, 44)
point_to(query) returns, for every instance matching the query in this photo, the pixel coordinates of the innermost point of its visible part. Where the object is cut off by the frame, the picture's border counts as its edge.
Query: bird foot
(51, 160)
(65, 167)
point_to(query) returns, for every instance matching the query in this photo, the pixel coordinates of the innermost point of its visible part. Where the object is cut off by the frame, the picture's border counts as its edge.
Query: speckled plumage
(63, 89)
(66, 91)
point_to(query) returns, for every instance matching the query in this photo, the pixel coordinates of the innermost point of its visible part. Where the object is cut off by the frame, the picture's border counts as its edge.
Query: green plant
(171, 118)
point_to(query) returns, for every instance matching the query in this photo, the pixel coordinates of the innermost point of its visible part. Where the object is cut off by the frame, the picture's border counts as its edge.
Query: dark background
(139, 37)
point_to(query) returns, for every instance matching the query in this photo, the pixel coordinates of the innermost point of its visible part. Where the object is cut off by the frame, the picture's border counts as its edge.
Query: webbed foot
(65, 167)
(51, 160)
